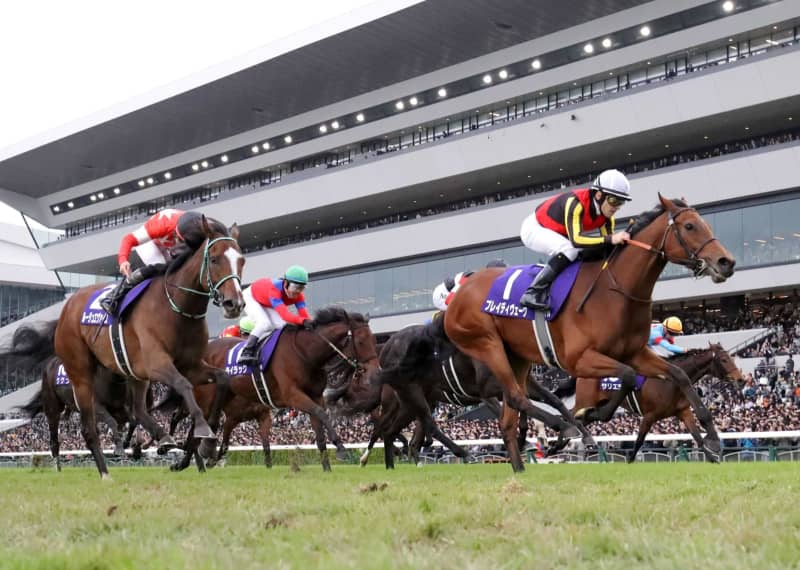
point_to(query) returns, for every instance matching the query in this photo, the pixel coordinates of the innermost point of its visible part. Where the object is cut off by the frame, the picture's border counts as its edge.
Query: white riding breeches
(267, 319)
(150, 253)
(544, 240)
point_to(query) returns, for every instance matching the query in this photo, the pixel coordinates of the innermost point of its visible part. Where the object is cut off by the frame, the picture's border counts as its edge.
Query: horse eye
(214, 259)
(689, 226)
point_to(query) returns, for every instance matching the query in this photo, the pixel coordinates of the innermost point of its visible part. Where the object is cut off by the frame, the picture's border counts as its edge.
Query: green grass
(613, 516)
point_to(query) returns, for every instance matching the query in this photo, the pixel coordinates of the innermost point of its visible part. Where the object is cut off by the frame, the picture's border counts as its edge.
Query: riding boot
(249, 354)
(537, 296)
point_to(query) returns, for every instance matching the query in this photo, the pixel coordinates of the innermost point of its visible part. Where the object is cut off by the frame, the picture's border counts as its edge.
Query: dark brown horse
(659, 398)
(296, 374)
(603, 327)
(165, 333)
(113, 405)
(423, 369)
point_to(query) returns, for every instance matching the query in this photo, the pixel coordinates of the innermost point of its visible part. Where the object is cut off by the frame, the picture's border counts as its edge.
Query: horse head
(724, 365)
(353, 343)
(689, 241)
(222, 264)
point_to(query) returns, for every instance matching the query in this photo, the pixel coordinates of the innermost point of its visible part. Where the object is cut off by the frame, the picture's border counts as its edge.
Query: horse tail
(34, 407)
(31, 345)
(566, 388)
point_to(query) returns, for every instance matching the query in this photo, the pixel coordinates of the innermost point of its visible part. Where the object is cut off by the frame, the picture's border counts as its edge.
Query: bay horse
(296, 375)
(603, 326)
(113, 405)
(659, 399)
(423, 368)
(165, 333)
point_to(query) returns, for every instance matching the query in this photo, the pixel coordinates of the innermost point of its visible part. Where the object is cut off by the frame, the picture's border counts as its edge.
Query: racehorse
(603, 326)
(296, 375)
(113, 405)
(659, 399)
(424, 369)
(165, 333)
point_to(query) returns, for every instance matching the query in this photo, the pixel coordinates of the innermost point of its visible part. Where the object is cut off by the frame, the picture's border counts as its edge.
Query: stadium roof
(396, 47)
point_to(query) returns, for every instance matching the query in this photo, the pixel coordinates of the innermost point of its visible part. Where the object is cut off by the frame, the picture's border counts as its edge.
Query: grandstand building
(387, 156)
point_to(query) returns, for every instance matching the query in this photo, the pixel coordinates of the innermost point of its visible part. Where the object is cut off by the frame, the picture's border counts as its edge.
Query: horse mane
(182, 252)
(646, 218)
(329, 315)
(690, 352)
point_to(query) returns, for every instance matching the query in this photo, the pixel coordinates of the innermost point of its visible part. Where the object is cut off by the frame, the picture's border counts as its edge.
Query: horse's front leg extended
(300, 401)
(546, 396)
(139, 394)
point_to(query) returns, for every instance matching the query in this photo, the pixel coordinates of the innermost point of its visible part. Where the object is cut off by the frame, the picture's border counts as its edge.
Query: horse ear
(665, 202)
(206, 228)
(366, 318)
(234, 231)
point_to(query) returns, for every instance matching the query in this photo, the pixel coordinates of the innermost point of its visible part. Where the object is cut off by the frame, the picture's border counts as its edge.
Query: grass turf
(458, 516)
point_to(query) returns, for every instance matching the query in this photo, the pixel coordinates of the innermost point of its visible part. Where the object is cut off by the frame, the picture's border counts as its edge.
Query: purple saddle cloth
(612, 383)
(94, 315)
(505, 292)
(267, 348)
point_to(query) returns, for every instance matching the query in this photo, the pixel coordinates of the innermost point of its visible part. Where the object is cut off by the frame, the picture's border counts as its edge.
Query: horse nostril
(227, 304)
(726, 262)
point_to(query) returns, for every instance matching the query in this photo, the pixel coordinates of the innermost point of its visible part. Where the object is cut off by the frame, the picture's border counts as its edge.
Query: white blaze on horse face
(233, 258)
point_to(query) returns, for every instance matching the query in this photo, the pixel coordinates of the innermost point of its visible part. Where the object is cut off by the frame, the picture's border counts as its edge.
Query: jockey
(266, 303)
(662, 335)
(153, 242)
(241, 329)
(444, 291)
(560, 228)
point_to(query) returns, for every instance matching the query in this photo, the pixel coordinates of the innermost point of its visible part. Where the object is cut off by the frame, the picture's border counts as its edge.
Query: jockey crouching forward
(266, 302)
(663, 335)
(560, 228)
(153, 243)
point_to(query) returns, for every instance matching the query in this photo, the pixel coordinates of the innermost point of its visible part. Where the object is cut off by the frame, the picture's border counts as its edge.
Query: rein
(691, 261)
(213, 288)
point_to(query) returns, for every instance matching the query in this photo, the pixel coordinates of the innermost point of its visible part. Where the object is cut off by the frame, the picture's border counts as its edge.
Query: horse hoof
(106, 477)
(207, 449)
(581, 414)
(342, 455)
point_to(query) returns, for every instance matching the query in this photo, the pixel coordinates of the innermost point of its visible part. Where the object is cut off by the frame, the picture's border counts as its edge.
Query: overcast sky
(65, 60)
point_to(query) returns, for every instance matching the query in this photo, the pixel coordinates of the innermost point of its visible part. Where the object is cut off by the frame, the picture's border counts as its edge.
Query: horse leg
(414, 447)
(300, 401)
(164, 371)
(415, 399)
(391, 424)
(53, 417)
(188, 453)
(139, 395)
(319, 437)
(551, 399)
(264, 426)
(644, 428)
(509, 428)
(687, 417)
(84, 394)
(104, 416)
(205, 374)
(522, 435)
(374, 437)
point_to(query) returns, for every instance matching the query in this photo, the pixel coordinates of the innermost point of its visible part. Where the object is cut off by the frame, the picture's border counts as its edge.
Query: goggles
(614, 202)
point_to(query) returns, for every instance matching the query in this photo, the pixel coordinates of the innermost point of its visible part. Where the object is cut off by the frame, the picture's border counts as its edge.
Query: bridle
(358, 366)
(205, 271)
(692, 259)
